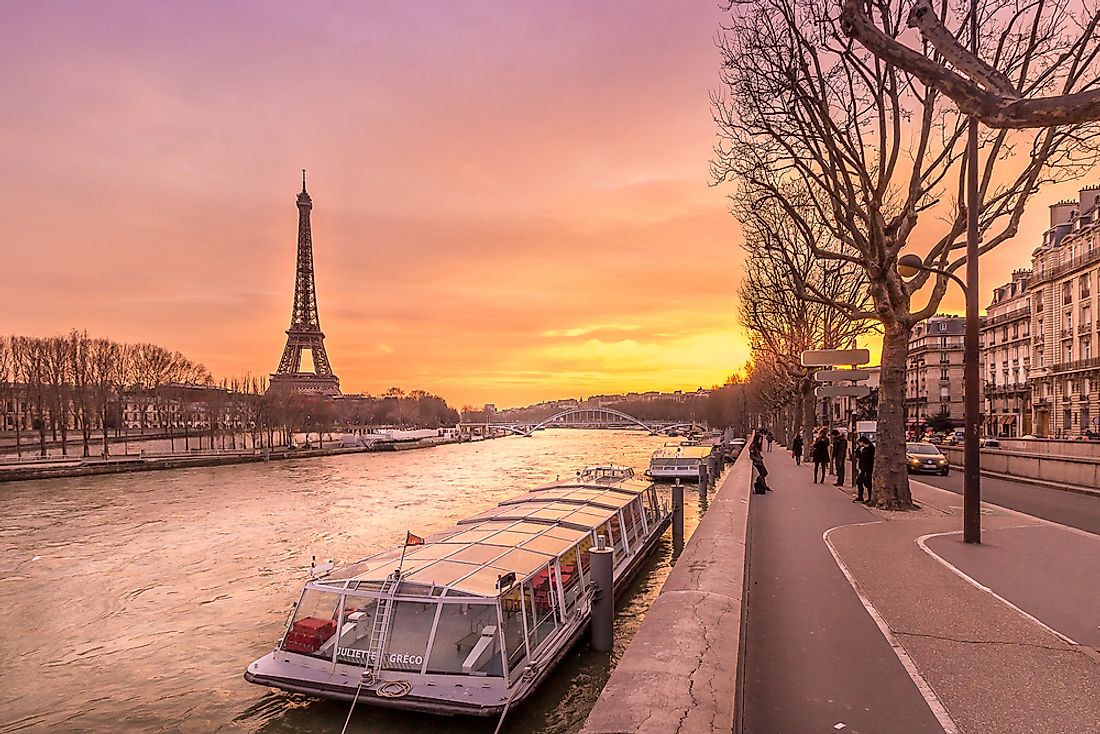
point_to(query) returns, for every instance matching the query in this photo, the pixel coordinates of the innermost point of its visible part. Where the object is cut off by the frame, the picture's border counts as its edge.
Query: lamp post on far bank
(909, 266)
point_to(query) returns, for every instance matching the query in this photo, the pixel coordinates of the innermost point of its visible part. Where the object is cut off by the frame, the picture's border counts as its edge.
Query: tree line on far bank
(77, 384)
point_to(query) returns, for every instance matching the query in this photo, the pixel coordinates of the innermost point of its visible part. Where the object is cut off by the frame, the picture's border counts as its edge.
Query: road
(1080, 511)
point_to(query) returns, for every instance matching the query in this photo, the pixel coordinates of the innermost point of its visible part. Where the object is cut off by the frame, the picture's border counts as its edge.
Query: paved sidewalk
(814, 659)
(1000, 658)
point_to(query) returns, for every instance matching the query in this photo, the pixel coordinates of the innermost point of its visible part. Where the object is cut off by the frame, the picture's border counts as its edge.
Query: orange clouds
(511, 200)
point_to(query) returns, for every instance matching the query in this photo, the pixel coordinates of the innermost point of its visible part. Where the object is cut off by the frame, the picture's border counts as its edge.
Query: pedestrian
(759, 486)
(840, 456)
(820, 454)
(796, 448)
(771, 440)
(866, 468)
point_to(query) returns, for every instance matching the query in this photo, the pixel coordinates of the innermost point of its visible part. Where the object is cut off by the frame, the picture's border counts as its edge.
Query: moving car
(924, 457)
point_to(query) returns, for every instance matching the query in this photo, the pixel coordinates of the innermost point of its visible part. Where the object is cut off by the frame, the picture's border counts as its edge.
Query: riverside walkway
(864, 621)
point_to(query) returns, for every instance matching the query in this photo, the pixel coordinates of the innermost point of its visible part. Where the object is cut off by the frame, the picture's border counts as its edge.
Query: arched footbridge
(588, 417)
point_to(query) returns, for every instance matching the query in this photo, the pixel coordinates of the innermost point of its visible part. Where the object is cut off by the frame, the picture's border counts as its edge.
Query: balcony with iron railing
(1009, 317)
(1077, 364)
(1043, 275)
(1085, 328)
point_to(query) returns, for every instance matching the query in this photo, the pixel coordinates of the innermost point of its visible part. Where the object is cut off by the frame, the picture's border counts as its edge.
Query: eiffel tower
(305, 326)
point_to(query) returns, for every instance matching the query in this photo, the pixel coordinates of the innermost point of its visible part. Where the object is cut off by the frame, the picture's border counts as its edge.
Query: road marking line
(1043, 520)
(978, 585)
(926, 692)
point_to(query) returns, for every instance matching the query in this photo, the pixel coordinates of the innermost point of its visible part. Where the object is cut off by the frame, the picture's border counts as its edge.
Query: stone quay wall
(680, 672)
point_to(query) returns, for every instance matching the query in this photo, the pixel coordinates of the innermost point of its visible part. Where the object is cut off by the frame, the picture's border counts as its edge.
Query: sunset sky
(511, 200)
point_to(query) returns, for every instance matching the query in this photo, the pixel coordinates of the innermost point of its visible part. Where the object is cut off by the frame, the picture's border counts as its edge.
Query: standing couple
(829, 447)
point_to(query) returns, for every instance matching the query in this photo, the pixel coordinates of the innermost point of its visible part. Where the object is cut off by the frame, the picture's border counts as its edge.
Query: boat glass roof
(519, 536)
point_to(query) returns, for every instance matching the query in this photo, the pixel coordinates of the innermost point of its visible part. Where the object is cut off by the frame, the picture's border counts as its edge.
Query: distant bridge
(586, 417)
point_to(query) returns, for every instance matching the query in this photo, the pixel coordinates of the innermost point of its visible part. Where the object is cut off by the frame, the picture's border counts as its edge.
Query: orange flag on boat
(411, 539)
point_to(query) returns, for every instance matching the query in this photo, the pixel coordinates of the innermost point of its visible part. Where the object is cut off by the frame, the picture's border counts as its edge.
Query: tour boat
(470, 620)
(678, 462)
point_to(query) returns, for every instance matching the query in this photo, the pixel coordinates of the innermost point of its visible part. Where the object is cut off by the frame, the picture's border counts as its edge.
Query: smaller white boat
(678, 462)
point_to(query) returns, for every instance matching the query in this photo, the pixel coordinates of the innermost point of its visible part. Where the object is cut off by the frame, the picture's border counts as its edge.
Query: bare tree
(80, 370)
(31, 362)
(106, 371)
(818, 127)
(19, 388)
(7, 384)
(1066, 71)
(59, 379)
(791, 302)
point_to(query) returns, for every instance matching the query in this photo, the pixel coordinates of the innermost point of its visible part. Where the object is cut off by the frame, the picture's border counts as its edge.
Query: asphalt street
(814, 659)
(1080, 511)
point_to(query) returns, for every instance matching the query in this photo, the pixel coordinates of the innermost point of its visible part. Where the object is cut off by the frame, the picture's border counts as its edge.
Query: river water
(133, 602)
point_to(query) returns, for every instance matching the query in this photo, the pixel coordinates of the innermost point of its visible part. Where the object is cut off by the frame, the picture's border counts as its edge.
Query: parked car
(989, 443)
(923, 457)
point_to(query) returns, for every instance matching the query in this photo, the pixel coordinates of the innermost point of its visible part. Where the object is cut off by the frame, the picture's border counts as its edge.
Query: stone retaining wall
(680, 671)
(1068, 471)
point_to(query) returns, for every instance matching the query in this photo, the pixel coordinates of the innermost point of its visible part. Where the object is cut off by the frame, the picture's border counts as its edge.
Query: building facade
(1006, 359)
(934, 372)
(1065, 286)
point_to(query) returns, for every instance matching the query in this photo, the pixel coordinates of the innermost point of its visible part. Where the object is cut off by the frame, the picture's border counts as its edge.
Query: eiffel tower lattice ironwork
(305, 326)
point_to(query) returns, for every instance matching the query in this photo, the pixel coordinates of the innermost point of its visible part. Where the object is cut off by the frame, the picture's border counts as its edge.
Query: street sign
(842, 391)
(835, 375)
(832, 357)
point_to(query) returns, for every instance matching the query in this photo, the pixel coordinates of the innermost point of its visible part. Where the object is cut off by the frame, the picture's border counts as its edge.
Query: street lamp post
(909, 266)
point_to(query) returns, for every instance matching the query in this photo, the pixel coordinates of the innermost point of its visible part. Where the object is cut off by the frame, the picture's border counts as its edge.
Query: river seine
(133, 602)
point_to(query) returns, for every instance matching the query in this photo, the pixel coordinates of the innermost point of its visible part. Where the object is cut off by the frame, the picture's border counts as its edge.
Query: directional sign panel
(831, 357)
(835, 375)
(842, 391)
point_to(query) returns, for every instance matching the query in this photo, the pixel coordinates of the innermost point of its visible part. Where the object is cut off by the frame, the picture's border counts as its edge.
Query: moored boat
(678, 462)
(472, 619)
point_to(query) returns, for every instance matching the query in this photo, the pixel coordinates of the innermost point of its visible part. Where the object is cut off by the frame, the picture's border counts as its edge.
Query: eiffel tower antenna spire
(305, 325)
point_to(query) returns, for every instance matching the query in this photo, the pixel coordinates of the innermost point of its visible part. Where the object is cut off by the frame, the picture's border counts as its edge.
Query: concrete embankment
(680, 671)
(78, 467)
(1061, 465)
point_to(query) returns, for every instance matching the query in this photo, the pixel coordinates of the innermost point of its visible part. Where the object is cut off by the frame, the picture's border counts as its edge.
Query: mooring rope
(528, 673)
(362, 679)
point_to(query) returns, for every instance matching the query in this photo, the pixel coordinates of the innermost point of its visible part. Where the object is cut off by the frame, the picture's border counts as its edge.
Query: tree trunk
(103, 417)
(890, 479)
(806, 389)
(41, 429)
(85, 427)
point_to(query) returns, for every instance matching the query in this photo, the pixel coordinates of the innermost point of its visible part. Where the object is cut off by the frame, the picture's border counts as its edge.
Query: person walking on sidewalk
(840, 456)
(796, 448)
(866, 467)
(771, 440)
(820, 454)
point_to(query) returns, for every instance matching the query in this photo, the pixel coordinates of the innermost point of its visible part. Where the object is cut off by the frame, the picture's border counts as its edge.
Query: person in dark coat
(820, 454)
(756, 456)
(840, 456)
(866, 468)
(796, 448)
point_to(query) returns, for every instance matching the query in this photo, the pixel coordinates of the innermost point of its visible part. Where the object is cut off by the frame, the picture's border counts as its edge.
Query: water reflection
(134, 602)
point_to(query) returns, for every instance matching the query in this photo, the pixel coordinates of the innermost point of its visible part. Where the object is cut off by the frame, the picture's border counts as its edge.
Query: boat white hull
(434, 694)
